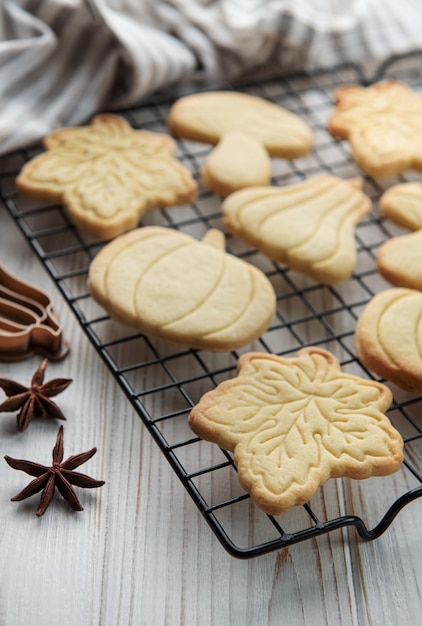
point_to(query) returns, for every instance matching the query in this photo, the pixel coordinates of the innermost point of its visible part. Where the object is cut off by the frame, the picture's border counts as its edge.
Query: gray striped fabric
(63, 60)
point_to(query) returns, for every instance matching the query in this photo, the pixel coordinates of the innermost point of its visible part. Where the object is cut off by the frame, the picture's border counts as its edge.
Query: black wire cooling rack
(164, 381)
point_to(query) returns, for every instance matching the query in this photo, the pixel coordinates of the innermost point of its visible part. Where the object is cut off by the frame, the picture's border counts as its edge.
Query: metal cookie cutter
(27, 323)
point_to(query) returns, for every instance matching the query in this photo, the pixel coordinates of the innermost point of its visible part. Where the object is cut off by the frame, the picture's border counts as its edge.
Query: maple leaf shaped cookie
(383, 123)
(308, 226)
(107, 175)
(294, 423)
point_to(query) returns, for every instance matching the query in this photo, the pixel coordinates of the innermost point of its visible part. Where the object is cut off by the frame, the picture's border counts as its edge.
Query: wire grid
(163, 381)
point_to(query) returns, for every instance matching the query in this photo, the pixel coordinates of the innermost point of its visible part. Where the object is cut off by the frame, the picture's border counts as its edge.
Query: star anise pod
(60, 475)
(33, 401)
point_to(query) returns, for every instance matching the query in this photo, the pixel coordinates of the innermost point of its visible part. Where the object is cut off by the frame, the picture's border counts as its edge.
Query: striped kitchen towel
(63, 60)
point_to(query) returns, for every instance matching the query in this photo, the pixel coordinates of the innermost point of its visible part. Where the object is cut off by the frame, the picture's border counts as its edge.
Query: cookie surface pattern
(402, 204)
(166, 283)
(107, 175)
(308, 226)
(293, 423)
(383, 124)
(388, 337)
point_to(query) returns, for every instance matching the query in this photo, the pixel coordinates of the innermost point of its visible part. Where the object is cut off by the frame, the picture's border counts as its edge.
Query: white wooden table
(140, 552)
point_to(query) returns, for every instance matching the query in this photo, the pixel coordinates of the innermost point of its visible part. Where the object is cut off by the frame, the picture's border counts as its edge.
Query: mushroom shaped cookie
(293, 423)
(247, 131)
(308, 226)
(107, 175)
(388, 337)
(166, 283)
(383, 125)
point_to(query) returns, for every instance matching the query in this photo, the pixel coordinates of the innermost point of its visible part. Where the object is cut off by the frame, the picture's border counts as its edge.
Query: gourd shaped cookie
(107, 175)
(308, 226)
(388, 337)
(246, 131)
(166, 283)
(293, 423)
(383, 125)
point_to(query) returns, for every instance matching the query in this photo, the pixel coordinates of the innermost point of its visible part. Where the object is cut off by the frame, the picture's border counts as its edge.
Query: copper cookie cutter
(27, 322)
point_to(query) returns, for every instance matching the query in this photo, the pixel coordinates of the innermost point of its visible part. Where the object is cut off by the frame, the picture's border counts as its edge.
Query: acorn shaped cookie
(166, 283)
(402, 204)
(399, 260)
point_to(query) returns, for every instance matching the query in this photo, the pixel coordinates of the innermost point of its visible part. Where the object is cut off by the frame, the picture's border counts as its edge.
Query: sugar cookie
(388, 337)
(166, 283)
(308, 226)
(213, 117)
(383, 124)
(293, 423)
(402, 204)
(107, 175)
(399, 260)
(237, 161)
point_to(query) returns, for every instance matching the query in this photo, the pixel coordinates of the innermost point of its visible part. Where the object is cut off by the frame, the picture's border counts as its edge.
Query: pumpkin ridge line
(244, 310)
(212, 290)
(148, 268)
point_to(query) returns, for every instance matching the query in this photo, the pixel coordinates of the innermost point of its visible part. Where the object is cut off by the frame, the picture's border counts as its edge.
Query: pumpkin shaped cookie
(293, 423)
(166, 283)
(388, 337)
(107, 175)
(308, 226)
